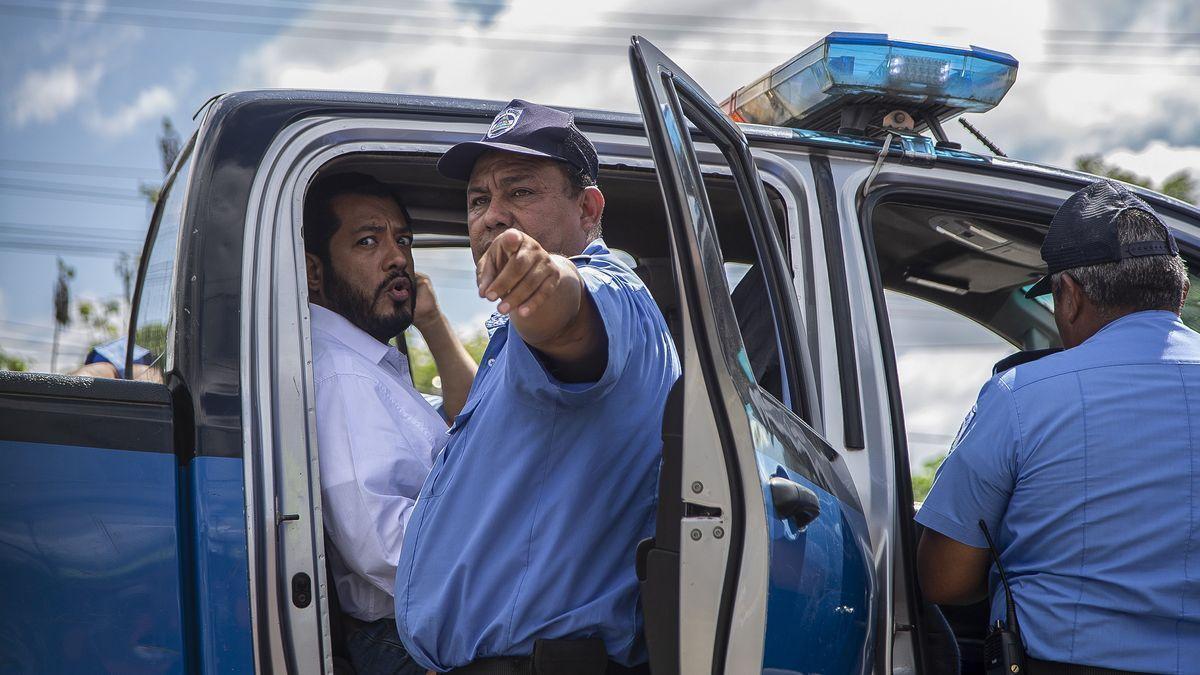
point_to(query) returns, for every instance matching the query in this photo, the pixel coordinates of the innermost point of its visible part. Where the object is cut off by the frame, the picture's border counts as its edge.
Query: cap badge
(504, 122)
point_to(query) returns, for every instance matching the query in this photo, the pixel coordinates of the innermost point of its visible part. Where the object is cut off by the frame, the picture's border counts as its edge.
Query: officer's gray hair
(1133, 284)
(577, 181)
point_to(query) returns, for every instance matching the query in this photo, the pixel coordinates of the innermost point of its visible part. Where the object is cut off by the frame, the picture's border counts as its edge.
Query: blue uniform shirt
(528, 524)
(1085, 465)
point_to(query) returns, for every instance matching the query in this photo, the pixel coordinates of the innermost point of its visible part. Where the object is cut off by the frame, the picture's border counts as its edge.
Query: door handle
(794, 501)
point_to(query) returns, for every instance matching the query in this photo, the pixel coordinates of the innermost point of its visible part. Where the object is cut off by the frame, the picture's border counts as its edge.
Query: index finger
(494, 258)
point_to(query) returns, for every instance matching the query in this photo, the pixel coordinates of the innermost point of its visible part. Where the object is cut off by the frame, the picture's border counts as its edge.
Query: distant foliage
(922, 480)
(10, 362)
(1191, 305)
(152, 336)
(1181, 185)
(424, 370)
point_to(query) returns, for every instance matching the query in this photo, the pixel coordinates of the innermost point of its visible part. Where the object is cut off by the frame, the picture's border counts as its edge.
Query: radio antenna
(982, 139)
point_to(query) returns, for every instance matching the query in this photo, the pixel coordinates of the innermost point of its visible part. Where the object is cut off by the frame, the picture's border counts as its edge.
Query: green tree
(152, 336)
(169, 145)
(1181, 185)
(102, 319)
(423, 368)
(62, 307)
(475, 345)
(10, 362)
(922, 480)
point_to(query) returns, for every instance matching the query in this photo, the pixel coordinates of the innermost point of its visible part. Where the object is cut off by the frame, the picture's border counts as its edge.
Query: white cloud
(43, 95)
(87, 10)
(149, 104)
(367, 75)
(1075, 93)
(1157, 160)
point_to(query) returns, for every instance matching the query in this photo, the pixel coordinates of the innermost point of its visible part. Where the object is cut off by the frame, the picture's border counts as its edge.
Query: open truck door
(760, 560)
(122, 524)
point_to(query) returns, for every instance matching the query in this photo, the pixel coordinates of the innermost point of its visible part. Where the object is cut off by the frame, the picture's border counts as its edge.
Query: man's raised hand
(425, 305)
(523, 276)
(543, 295)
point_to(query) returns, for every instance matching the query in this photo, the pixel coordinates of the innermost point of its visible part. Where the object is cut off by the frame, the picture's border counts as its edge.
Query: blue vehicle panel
(96, 578)
(818, 604)
(90, 559)
(222, 569)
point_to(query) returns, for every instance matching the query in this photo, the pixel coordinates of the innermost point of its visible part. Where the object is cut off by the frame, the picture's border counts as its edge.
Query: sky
(84, 85)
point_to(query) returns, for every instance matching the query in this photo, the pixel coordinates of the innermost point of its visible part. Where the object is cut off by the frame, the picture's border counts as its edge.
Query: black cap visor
(459, 161)
(1043, 287)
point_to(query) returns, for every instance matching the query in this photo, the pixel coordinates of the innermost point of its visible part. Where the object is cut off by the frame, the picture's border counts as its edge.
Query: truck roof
(303, 102)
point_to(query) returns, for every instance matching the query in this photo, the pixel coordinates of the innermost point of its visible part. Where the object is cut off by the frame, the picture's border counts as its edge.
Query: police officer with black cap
(519, 555)
(1084, 465)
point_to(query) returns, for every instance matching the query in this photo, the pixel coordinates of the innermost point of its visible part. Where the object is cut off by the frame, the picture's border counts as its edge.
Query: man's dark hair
(320, 222)
(1133, 284)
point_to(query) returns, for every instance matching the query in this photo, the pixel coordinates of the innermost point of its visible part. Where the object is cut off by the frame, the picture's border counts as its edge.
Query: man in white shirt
(376, 435)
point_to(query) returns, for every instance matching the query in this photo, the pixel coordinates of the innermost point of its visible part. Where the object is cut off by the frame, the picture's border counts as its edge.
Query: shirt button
(491, 362)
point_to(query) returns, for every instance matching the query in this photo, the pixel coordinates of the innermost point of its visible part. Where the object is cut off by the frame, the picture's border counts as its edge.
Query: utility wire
(78, 169)
(64, 229)
(571, 43)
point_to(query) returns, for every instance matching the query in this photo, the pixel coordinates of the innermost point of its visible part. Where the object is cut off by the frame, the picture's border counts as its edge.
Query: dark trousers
(375, 649)
(1040, 667)
(555, 657)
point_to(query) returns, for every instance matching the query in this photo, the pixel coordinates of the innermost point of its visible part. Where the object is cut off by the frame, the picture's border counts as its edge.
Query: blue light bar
(857, 68)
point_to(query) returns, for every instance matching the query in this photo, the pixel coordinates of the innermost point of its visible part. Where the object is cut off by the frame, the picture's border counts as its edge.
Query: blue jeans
(375, 649)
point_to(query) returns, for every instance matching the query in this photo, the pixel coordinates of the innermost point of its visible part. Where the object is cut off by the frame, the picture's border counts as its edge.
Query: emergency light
(869, 75)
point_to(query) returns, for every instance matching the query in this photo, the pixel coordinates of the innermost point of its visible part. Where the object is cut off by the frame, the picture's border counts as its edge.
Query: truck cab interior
(634, 224)
(974, 264)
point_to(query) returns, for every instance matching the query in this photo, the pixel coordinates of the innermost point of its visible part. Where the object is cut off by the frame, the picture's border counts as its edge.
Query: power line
(371, 13)
(577, 43)
(69, 191)
(316, 29)
(78, 169)
(63, 229)
(66, 250)
(70, 242)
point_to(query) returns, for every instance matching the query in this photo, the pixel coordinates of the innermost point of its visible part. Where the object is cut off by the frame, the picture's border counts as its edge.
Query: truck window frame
(284, 529)
(183, 164)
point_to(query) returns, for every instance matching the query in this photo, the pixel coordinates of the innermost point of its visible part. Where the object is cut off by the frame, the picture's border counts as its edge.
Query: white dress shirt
(376, 439)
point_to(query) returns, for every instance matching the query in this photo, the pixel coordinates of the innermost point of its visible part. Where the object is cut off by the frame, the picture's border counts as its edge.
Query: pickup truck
(171, 521)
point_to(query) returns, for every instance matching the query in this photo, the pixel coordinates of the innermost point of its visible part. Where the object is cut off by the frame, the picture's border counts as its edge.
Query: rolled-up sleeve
(978, 476)
(371, 474)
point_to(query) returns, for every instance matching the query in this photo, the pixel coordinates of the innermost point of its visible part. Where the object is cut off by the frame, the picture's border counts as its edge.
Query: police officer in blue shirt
(519, 556)
(1085, 464)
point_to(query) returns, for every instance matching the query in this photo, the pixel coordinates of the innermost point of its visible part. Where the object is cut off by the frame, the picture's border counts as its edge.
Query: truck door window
(1191, 306)
(744, 273)
(154, 315)
(451, 269)
(942, 360)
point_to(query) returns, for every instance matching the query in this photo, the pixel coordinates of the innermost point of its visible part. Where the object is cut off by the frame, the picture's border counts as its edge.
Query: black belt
(1040, 667)
(554, 657)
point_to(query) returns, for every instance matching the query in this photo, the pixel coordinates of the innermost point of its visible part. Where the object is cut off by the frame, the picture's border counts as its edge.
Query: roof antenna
(982, 139)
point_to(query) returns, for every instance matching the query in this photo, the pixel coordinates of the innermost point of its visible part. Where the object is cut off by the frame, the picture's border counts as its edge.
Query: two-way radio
(1003, 649)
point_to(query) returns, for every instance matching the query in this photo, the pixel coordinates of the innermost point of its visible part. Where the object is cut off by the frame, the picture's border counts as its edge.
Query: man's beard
(359, 308)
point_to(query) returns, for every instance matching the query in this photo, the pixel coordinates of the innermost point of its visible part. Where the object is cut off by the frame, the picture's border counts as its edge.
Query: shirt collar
(339, 327)
(597, 247)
